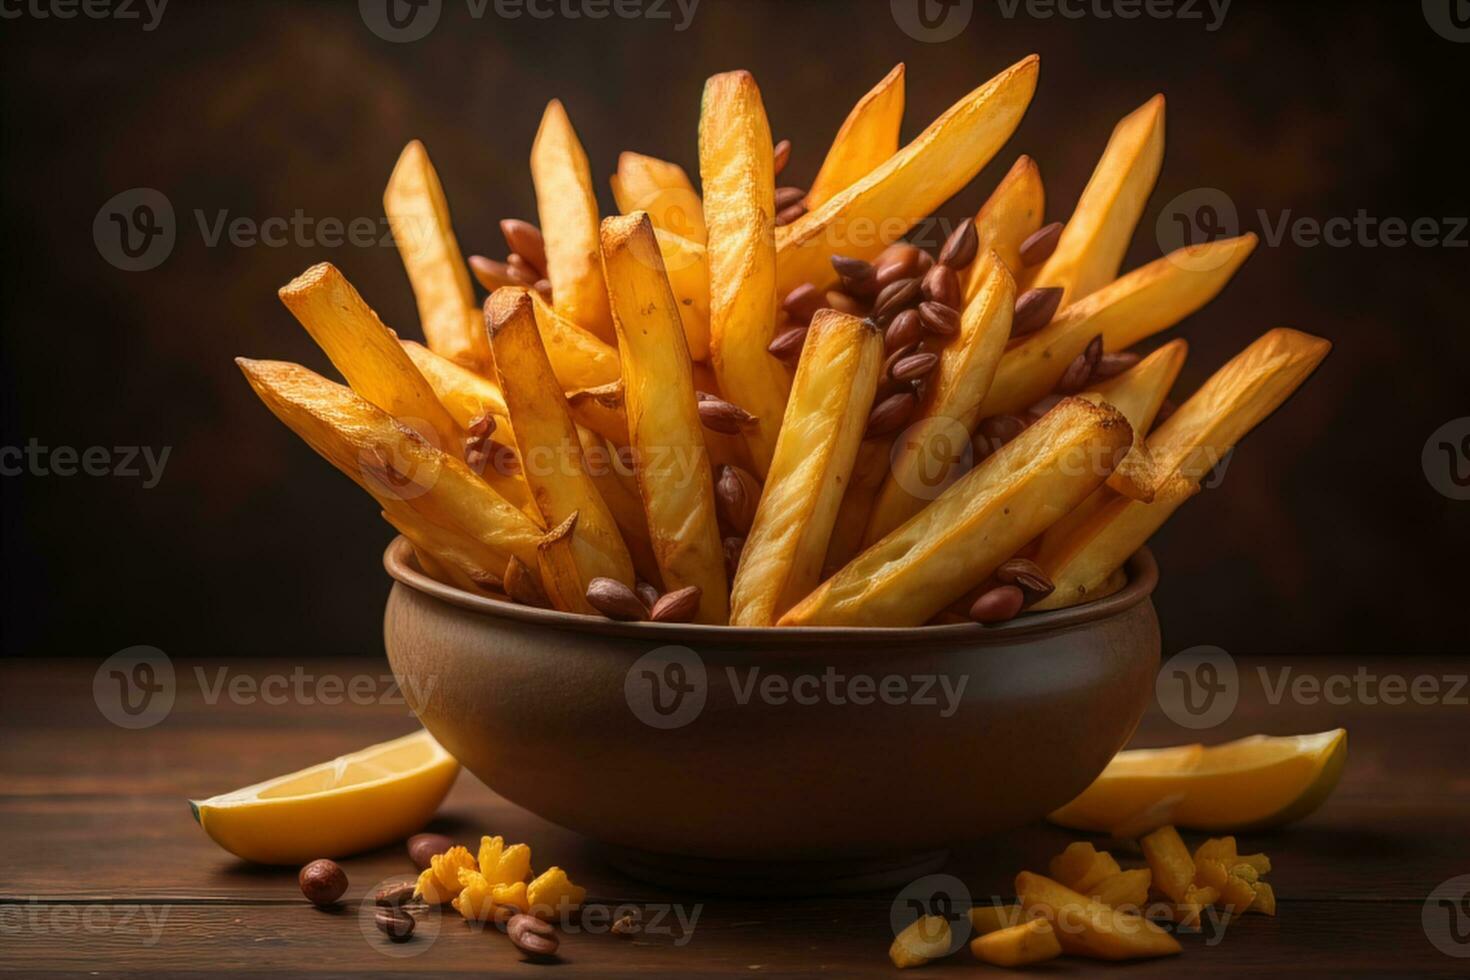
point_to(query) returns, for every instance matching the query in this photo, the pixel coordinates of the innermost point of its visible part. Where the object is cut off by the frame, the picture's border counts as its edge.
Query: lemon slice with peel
(1254, 782)
(352, 803)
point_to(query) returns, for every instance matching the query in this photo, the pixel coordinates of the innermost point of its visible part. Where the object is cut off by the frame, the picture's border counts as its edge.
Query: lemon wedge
(352, 803)
(1254, 782)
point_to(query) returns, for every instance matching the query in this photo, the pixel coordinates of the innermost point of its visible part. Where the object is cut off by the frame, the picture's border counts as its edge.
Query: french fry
(830, 401)
(1086, 551)
(663, 189)
(601, 410)
(983, 519)
(418, 216)
(604, 465)
(1139, 393)
(1096, 237)
(1088, 928)
(562, 578)
(736, 164)
(687, 264)
(664, 430)
(579, 359)
(567, 208)
(551, 450)
(869, 135)
(868, 474)
(367, 353)
(926, 457)
(871, 214)
(391, 461)
(1147, 300)
(1011, 214)
(446, 554)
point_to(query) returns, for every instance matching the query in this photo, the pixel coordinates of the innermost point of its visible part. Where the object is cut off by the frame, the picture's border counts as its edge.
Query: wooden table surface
(106, 872)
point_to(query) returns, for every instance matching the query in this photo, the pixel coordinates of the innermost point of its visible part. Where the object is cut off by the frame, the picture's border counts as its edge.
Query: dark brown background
(1326, 535)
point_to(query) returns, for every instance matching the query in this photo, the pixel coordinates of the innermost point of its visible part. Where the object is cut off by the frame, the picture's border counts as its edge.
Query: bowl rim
(1142, 571)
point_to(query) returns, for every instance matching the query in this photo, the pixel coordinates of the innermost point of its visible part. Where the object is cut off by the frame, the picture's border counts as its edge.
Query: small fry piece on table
(391, 461)
(1081, 867)
(868, 216)
(418, 215)
(1147, 300)
(825, 418)
(579, 359)
(736, 164)
(566, 205)
(1034, 941)
(1096, 237)
(663, 189)
(1125, 889)
(983, 519)
(926, 457)
(1011, 214)
(992, 918)
(869, 136)
(1087, 928)
(1235, 400)
(551, 450)
(1170, 861)
(664, 430)
(925, 939)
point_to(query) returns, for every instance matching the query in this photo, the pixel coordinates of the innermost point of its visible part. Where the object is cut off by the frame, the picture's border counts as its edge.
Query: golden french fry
(868, 474)
(445, 554)
(830, 401)
(1096, 237)
(1086, 550)
(419, 218)
(1139, 393)
(983, 519)
(687, 265)
(551, 450)
(567, 208)
(664, 430)
(930, 452)
(736, 164)
(869, 135)
(661, 188)
(1147, 300)
(1011, 214)
(562, 578)
(367, 353)
(389, 460)
(467, 396)
(619, 489)
(601, 410)
(871, 214)
(579, 359)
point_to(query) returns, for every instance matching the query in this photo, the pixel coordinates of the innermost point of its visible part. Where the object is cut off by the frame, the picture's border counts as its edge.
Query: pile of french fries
(758, 406)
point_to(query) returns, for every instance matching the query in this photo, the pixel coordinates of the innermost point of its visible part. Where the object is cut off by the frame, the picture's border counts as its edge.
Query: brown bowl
(742, 759)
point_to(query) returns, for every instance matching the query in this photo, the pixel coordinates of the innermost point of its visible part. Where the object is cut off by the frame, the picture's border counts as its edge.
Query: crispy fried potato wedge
(687, 264)
(1085, 550)
(871, 214)
(579, 359)
(566, 205)
(979, 522)
(1147, 300)
(830, 401)
(663, 189)
(601, 410)
(1011, 214)
(664, 430)
(934, 450)
(869, 135)
(419, 218)
(367, 353)
(736, 164)
(390, 460)
(605, 465)
(551, 450)
(561, 576)
(1088, 928)
(1139, 393)
(868, 474)
(1096, 237)
(445, 554)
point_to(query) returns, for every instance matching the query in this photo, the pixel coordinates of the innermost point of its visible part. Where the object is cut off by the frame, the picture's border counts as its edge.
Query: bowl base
(766, 878)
